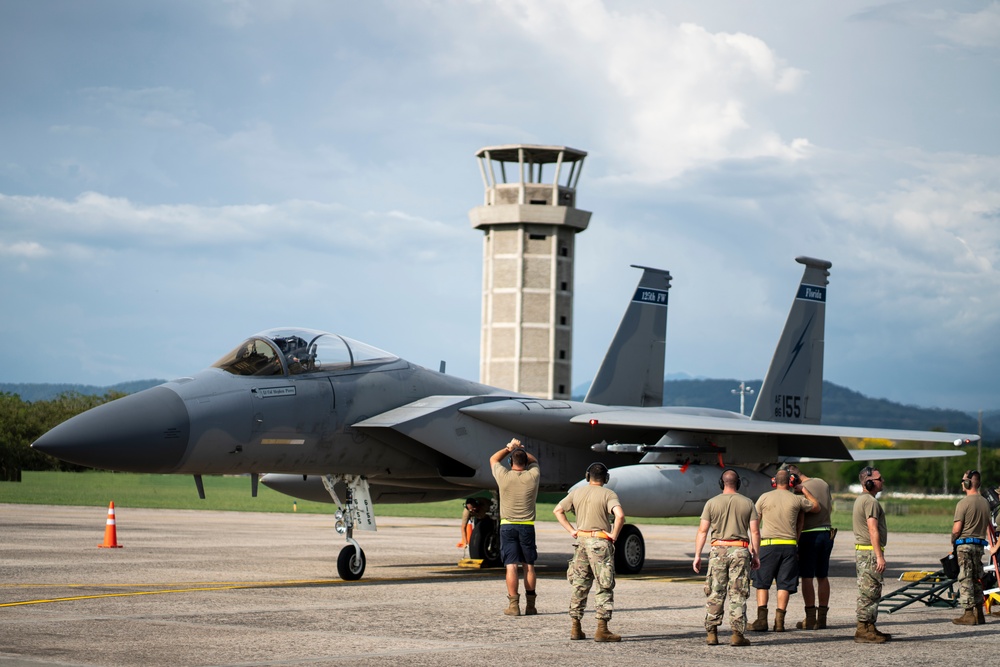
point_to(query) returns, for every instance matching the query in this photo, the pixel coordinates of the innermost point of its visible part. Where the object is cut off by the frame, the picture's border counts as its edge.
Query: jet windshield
(297, 351)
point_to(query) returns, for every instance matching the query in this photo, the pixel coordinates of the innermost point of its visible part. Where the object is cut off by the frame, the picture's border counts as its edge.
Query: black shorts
(780, 563)
(517, 544)
(814, 554)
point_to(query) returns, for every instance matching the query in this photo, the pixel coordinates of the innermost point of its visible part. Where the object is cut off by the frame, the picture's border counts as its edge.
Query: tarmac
(256, 589)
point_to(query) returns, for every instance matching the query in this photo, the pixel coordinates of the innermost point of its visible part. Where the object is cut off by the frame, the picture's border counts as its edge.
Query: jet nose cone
(144, 432)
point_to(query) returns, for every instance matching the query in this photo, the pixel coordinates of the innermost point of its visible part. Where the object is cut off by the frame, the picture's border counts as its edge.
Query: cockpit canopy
(297, 351)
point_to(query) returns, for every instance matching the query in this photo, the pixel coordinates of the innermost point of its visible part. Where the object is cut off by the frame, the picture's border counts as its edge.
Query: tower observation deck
(530, 220)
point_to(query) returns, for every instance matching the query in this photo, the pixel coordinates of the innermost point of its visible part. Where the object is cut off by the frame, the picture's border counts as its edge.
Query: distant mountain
(46, 392)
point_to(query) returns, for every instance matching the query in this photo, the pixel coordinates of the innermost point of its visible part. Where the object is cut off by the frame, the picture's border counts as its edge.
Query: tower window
(537, 237)
(564, 286)
(563, 251)
(562, 389)
(562, 319)
(562, 354)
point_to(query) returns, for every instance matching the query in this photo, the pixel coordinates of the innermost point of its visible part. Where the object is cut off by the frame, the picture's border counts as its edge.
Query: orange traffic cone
(110, 534)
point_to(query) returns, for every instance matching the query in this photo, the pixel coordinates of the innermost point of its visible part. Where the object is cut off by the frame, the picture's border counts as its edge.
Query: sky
(178, 175)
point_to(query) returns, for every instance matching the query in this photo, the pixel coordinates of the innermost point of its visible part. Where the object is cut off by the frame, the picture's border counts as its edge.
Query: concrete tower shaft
(530, 220)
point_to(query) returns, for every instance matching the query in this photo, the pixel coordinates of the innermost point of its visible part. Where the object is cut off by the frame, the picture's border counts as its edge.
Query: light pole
(743, 391)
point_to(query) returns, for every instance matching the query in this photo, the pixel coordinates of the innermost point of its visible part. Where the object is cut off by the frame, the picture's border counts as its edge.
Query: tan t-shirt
(518, 491)
(821, 492)
(593, 506)
(730, 515)
(779, 514)
(867, 507)
(974, 513)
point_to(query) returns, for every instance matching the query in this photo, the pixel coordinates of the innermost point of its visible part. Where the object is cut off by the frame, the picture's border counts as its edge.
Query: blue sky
(175, 176)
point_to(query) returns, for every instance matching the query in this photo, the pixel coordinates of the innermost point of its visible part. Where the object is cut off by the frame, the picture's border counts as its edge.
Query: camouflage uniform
(593, 560)
(869, 586)
(728, 572)
(970, 577)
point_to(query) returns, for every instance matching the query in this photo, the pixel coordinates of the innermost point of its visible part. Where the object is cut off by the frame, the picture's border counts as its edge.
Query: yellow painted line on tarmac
(215, 586)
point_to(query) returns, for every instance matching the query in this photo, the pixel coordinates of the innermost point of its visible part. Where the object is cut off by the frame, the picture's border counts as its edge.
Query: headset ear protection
(967, 478)
(793, 479)
(598, 471)
(722, 484)
(868, 471)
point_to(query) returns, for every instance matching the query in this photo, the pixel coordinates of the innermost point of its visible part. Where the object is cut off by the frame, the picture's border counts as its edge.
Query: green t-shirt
(518, 491)
(974, 513)
(779, 514)
(729, 515)
(867, 507)
(593, 506)
(821, 492)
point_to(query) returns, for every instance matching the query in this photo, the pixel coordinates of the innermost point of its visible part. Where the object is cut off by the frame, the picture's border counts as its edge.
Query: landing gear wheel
(351, 563)
(630, 551)
(485, 542)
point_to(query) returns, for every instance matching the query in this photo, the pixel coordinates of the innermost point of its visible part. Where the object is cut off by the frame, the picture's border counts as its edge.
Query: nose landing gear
(355, 512)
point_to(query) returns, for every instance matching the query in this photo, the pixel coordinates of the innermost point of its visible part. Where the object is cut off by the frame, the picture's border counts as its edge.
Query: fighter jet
(331, 418)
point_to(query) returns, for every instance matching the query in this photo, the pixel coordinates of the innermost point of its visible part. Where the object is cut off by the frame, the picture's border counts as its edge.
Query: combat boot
(979, 615)
(968, 618)
(865, 635)
(779, 620)
(878, 634)
(513, 606)
(713, 637)
(529, 603)
(738, 639)
(810, 621)
(821, 617)
(602, 634)
(760, 625)
(575, 631)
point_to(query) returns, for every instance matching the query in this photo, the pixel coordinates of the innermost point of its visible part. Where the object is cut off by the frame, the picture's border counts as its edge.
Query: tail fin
(632, 371)
(792, 391)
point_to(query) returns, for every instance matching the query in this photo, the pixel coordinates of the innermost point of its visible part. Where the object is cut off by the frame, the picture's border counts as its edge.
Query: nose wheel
(354, 512)
(351, 562)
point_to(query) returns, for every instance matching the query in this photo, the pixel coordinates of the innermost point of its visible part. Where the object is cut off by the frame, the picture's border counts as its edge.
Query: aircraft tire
(485, 542)
(630, 551)
(349, 566)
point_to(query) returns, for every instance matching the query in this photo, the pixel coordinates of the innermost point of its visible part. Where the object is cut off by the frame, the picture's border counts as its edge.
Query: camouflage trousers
(728, 573)
(970, 575)
(869, 586)
(593, 560)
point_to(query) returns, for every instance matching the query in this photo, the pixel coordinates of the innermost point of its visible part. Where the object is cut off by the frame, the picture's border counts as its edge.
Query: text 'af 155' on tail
(792, 390)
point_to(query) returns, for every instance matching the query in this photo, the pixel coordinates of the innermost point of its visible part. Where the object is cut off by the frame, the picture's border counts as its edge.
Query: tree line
(23, 422)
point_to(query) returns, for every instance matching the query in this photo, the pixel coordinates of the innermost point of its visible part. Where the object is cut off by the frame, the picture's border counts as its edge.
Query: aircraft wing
(803, 440)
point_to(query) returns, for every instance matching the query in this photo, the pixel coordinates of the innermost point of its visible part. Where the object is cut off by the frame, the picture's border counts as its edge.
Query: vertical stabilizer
(632, 371)
(793, 388)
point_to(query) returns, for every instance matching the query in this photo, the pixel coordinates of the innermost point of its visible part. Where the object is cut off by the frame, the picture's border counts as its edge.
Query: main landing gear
(485, 540)
(355, 512)
(630, 550)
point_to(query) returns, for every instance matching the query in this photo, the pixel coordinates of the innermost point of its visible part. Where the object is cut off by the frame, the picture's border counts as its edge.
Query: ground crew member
(733, 520)
(870, 535)
(518, 493)
(781, 516)
(968, 534)
(815, 546)
(475, 508)
(594, 556)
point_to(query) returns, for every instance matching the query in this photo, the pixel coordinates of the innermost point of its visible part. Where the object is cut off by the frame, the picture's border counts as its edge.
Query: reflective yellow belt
(505, 522)
(774, 542)
(816, 530)
(864, 547)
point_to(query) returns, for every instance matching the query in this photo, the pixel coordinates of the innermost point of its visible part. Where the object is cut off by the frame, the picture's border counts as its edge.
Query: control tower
(530, 219)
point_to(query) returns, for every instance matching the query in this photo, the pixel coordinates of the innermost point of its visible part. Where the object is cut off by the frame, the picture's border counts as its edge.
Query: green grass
(233, 494)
